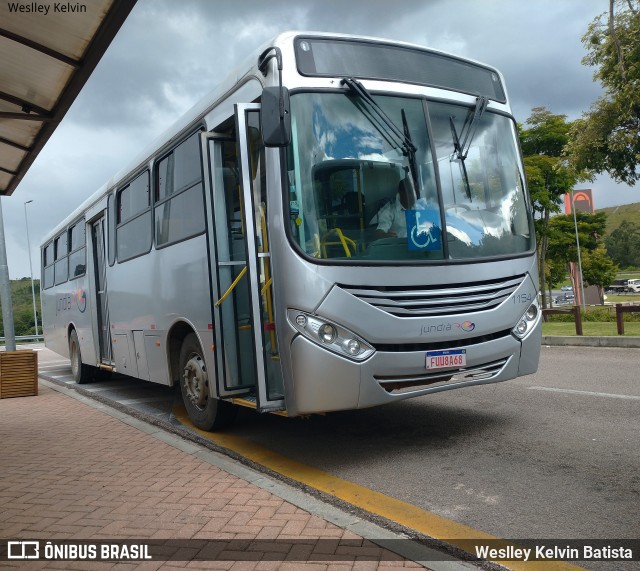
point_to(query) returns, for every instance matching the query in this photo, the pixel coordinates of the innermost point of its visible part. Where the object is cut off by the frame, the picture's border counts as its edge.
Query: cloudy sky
(169, 54)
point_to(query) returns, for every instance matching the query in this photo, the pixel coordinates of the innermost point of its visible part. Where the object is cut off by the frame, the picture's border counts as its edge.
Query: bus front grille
(406, 384)
(440, 300)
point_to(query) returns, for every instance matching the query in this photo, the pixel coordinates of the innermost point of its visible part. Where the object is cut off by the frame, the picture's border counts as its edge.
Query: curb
(586, 341)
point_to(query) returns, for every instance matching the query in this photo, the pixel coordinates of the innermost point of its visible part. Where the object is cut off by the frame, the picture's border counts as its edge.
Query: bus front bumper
(327, 382)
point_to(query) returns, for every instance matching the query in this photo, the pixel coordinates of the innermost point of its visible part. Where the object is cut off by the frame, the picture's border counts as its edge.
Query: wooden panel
(18, 374)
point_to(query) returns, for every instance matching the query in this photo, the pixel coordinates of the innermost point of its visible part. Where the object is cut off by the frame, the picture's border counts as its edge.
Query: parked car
(566, 299)
(566, 288)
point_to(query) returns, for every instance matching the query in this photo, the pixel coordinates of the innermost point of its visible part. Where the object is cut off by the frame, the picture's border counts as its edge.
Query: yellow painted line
(407, 515)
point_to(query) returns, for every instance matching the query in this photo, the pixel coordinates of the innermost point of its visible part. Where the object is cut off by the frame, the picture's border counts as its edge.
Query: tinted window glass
(61, 271)
(47, 263)
(48, 255)
(77, 236)
(77, 263)
(134, 237)
(180, 169)
(77, 257)
(60, 246)
(180, 217)
(133, 233)
(48, 277)
(179, 210)
(134, 198)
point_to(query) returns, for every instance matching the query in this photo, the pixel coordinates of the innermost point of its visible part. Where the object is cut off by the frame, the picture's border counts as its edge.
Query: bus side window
(178, 197)
(61, 272)
(47, 266)
(77, 250)
(133, 230)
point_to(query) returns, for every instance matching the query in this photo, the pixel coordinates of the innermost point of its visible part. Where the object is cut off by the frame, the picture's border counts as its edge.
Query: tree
(607, 137)
(23, 320)
(555, 272)
(548, 176)
(623, 244)
(562, 235)
(598, 269)
(563, 247)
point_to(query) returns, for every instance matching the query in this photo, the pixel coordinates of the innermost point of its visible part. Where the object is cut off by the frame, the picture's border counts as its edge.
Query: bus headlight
(528, 320)
(327, 333)
(353, 346)
(330, 335)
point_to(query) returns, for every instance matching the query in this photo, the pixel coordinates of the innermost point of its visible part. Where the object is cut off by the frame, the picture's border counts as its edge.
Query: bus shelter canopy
(48, 50)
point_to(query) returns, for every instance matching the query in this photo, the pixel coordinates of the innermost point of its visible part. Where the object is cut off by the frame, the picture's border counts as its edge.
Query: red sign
(582, 199)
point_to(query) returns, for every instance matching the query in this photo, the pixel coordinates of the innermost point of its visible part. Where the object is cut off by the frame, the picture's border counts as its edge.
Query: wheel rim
(196, 381)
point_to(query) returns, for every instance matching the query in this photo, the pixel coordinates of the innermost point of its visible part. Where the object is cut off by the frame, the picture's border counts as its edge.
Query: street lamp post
(33, 291)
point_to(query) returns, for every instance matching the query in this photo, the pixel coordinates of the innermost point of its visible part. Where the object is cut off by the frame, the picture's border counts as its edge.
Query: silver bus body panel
(150, 294)
(325, 381)
(64, 307)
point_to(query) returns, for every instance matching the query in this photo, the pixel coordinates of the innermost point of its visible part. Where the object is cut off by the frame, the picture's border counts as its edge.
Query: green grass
(616, 214)
(611, 298)
(591, 328)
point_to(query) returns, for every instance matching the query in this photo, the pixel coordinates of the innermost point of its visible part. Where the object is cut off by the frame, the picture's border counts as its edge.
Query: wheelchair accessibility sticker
(423, 229)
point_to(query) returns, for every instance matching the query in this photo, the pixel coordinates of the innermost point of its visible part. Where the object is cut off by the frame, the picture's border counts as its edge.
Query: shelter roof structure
(48, 51)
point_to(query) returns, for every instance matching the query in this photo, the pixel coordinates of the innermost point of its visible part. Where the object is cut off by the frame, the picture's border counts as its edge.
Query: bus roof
(248, 68)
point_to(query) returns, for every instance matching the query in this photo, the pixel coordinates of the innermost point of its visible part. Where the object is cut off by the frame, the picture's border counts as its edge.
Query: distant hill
(616, 214)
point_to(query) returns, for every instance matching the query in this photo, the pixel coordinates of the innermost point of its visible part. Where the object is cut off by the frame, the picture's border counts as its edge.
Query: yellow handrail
(343, 241)
(231, 287)
(268, 279)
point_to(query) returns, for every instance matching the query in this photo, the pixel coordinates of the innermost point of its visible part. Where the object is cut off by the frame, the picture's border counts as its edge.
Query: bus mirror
(275, 117)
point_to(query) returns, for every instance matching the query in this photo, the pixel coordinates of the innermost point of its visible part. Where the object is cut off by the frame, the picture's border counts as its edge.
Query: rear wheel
(205, 411)
(81, 373)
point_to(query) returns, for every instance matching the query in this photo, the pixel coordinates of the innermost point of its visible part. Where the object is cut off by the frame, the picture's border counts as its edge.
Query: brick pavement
(70, 471)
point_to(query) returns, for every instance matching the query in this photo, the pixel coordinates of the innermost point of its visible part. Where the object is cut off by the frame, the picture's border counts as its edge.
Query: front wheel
(81, 373)
(205, 411)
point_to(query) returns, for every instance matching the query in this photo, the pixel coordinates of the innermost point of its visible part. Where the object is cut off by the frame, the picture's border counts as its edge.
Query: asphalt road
(551, 455)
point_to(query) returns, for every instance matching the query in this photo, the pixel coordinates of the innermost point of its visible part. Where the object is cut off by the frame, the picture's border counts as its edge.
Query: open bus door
(100, 287)
(245, 345)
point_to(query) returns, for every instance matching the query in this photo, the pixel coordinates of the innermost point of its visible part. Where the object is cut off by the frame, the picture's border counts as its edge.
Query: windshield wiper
(402, 139)
(461, 149)
(457, 153)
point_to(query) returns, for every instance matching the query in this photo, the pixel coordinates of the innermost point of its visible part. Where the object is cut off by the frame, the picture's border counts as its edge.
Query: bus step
(248, 401)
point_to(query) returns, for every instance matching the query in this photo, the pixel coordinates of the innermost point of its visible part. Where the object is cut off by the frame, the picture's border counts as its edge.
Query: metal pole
(575, 223)
(5, 292)
(33, 291)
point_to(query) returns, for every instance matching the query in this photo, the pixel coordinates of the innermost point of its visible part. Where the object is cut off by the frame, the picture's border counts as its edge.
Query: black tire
(205, 411)
(81, 373)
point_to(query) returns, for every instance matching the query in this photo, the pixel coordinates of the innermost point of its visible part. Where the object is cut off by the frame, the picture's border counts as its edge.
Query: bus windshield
(354, 194)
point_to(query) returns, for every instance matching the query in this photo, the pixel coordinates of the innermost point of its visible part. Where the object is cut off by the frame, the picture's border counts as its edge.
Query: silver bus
(343, 223)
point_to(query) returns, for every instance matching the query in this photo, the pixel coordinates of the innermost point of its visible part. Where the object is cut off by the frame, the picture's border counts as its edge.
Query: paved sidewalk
(77, 470)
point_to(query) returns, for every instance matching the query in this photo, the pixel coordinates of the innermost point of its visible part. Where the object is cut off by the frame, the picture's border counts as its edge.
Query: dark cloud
(170, 53)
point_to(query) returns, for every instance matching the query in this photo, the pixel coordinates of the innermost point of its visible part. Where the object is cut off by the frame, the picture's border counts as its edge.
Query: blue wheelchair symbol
(423, 230)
